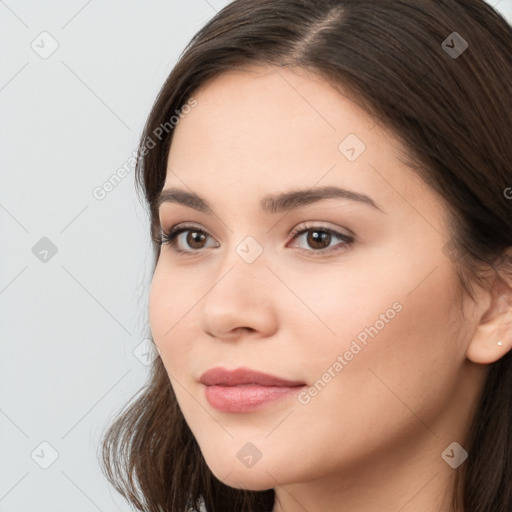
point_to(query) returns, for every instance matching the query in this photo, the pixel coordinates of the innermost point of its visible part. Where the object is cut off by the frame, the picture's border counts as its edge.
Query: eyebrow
(285, 201)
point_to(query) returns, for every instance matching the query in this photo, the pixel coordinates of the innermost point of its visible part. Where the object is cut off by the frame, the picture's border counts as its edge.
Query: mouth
(244, 390)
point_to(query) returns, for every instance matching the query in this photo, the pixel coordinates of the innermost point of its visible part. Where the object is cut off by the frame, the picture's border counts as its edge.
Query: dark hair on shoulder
(454, 115)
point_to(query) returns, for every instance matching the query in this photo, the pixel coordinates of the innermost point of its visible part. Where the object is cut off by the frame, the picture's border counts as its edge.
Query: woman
(332, 293)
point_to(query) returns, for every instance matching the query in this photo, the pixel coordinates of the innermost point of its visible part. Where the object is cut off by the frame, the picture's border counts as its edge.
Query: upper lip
(222, 377)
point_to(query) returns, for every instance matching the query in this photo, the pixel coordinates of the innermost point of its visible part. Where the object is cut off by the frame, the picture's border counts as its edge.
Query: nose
(240, 301)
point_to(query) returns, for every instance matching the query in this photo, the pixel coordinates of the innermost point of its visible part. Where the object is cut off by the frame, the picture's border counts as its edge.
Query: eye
(191, 236)
(186, 239)
(320, 238)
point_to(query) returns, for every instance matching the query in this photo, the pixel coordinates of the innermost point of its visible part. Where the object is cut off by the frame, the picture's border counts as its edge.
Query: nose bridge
(240, 294)
(243, 267)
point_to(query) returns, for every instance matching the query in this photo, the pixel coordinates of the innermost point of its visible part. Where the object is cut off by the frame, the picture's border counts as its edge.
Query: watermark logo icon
(44, 250)
(249, 249)
(455, 45)
(249, 455)
(44, 45)
(44, 455)
(352, 147)
(145, 352)
(454, 455)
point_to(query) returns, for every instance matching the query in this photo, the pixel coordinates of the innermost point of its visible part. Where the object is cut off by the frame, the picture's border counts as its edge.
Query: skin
(372, 438)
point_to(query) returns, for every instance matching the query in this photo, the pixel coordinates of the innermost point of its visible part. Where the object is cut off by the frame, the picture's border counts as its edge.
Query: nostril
(250, 329)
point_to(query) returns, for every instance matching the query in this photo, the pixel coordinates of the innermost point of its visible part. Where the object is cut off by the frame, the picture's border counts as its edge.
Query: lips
(242, 376)
(244, 390)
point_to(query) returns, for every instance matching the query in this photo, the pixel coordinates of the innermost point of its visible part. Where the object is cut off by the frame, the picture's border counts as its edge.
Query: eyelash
(169, 238)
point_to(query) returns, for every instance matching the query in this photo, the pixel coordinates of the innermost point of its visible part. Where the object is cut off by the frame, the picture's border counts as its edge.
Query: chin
(231, 471)
(248, 479)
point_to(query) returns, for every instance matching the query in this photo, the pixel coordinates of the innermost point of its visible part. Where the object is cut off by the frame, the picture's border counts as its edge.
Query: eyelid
(318, 224)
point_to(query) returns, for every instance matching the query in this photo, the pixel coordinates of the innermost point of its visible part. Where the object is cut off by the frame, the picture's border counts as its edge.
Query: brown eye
(195, 239)
(317, 239)
(185, 239)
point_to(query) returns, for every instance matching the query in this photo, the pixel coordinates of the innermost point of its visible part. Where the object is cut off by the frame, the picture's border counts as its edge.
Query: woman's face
(367, 318)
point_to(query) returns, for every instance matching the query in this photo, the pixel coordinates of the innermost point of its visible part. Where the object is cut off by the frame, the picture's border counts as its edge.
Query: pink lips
(244, 390)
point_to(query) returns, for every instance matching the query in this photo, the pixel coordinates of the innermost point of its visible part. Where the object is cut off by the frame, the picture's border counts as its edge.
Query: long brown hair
(401, 61)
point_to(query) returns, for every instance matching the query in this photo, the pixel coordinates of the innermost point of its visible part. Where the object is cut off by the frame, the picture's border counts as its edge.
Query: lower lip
(246, 398)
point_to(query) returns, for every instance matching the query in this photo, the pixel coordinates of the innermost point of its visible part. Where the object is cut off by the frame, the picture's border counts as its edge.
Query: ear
(493, 336)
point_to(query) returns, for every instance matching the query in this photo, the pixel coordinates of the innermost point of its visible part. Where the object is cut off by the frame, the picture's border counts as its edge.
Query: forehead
(272, 109)
(266, 128)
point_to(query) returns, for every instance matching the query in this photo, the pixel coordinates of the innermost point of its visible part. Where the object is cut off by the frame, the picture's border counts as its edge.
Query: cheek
(337, 305)
(405, 371)
(395, 330)
(169, 310)
(415, 357)
(158, 305)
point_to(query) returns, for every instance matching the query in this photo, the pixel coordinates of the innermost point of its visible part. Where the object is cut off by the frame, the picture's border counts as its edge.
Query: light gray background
(73, 323)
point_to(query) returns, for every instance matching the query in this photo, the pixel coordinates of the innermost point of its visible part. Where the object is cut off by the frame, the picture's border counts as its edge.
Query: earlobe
(487, 350)
(493, 336)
